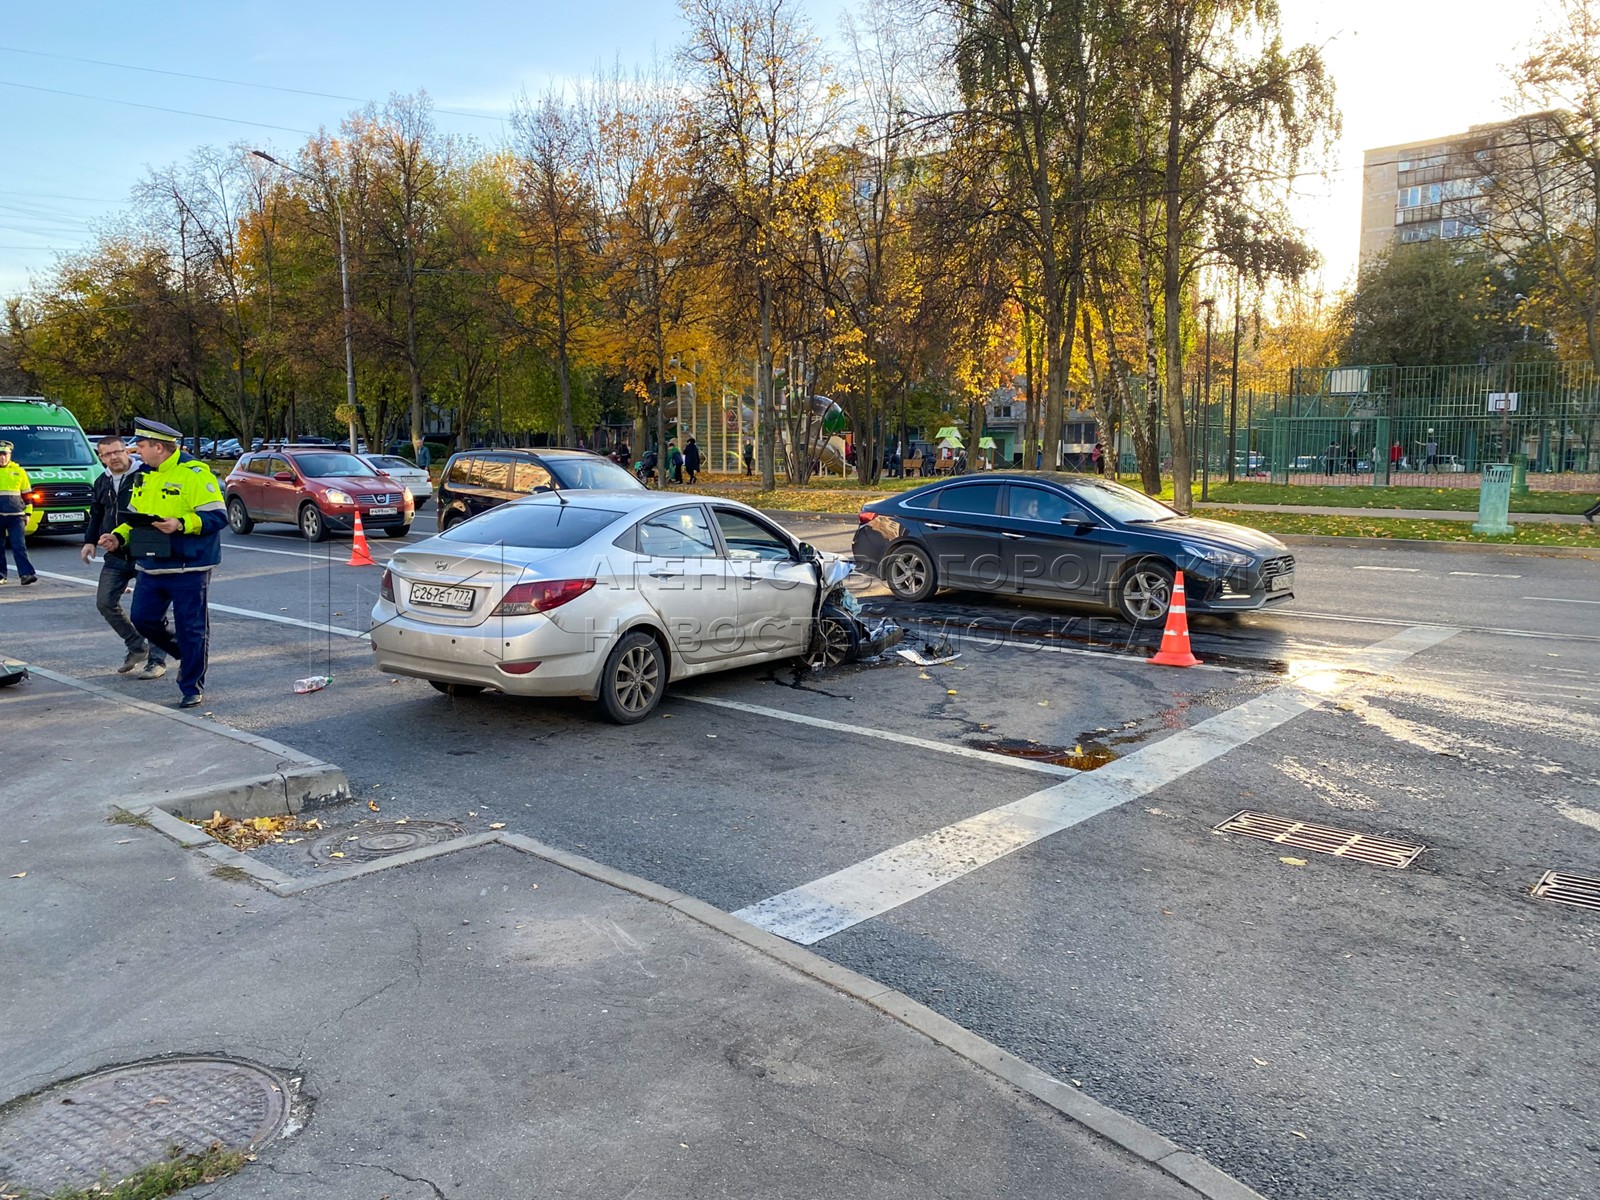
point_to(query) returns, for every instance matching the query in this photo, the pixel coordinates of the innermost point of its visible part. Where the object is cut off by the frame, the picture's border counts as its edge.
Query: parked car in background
(228, 448)
(405, 471)
(316, 488)
(475, 481)
(1067, 537)
(610, 596)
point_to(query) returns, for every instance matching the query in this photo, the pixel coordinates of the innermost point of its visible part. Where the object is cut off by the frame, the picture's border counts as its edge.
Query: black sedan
(1067, 537)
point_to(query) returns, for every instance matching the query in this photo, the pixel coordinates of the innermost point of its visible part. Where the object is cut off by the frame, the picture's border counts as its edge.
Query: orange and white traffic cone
(1175, 650)
(360, 556)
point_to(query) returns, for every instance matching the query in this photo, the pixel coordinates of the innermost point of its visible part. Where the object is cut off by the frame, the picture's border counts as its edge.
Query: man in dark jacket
(691, 460)
(112, 493)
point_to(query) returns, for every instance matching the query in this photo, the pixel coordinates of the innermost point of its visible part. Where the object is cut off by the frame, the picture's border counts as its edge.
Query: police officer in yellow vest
(14, 510)
(174, 552)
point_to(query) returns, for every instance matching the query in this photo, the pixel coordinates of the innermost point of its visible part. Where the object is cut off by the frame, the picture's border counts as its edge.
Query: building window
(1410, 197)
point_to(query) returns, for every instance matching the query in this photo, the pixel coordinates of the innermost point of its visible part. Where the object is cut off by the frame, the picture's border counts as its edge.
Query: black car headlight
(1216, 556)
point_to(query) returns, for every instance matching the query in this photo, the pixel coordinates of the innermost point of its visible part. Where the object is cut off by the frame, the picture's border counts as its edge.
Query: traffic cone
(1175, 650)
(360, 556)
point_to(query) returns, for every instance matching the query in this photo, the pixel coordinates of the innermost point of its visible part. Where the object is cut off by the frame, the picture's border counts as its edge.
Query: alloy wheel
(638, 677)
(1146, 594)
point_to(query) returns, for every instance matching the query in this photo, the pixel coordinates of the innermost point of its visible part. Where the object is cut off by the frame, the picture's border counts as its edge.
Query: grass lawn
(1437, 499)
(1291, 522)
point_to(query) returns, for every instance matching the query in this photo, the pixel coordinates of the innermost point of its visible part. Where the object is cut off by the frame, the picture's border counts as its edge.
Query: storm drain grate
(1324, 839)
(1577, 890)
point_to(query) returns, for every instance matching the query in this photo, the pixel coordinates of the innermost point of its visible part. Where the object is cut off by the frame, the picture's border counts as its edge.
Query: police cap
(155, 431)
(6, 447)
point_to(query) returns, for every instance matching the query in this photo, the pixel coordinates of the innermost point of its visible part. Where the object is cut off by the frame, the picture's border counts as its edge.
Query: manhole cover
(1577, 890)
(379, 839)
(113, 1123)
(1323, 839)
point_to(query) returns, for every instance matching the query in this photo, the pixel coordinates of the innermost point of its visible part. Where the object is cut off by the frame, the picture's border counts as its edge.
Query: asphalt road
(1315, 1025)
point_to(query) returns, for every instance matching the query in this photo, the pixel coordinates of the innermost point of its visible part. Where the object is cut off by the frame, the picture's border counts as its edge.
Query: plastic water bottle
(315, 684)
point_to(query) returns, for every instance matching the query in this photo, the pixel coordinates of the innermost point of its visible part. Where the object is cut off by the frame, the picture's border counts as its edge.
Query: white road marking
(1407, 570)
(1560, 600)
(1398, 623)
(1484, 575)
(826, 906)
(903, 739)
(332, 559)
(275, 618)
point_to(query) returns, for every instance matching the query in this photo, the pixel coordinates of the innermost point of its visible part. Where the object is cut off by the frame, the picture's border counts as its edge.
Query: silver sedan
(401, 470)
(601, 595)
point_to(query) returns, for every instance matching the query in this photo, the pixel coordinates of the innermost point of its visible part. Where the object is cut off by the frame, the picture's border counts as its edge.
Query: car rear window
(532, 526)
(595, 474)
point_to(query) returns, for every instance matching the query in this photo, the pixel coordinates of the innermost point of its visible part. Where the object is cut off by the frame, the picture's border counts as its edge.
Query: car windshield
(327, 466)
(47, 446)
(1123, 503)
(542, 526)
(595, 474)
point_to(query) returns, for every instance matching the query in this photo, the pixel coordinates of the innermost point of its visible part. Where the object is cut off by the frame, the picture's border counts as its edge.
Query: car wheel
(312, 527)
(1144, 593)
(397, 530)
(633, 679)
(447, 520)
(455, 689)
(837, 639)
(238, 516)
(908, 571)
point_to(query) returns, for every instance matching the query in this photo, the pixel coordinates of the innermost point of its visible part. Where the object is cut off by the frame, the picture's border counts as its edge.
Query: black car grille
(57, 495)
(1281, 565)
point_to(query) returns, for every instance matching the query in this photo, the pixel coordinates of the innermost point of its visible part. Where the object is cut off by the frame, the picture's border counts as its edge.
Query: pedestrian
(172, 530)
(645, 468)
(691, 460)
(623, 456)
(1593, 511)
(1333, 457)
(1097, 457)
(1397, 454)
(749, 457)
(113, 493)
(424, 456)
(1430, 453)
(897, 464)
(15, 509)
(674, 461)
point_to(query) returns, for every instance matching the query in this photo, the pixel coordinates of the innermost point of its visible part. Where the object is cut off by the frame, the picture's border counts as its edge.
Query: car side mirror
(284, 476)
(808, 553)
(1079, 524)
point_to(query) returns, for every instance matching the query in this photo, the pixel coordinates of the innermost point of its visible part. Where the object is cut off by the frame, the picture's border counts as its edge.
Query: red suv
(317, 488)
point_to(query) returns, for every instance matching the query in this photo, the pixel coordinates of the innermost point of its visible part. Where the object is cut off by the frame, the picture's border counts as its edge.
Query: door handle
(1013, 536)
(666, 574)
(934, 525)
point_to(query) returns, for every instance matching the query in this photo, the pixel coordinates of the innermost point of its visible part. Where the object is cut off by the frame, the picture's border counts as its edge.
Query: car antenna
(560, 499)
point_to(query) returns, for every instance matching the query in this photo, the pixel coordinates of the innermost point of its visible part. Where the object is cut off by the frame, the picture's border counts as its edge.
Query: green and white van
(50, 446)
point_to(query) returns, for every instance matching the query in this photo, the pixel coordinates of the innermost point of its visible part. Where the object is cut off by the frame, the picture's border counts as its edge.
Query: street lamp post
(344, 282)
(1205, 408)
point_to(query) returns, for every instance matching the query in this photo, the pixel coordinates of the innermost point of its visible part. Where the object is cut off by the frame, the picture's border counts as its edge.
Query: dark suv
(475, 481)
(317, 488)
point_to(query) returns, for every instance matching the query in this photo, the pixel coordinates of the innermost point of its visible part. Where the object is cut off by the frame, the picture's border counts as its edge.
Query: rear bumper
(569, 663)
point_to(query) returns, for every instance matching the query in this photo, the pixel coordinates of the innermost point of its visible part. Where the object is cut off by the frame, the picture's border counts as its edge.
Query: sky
(74, 141)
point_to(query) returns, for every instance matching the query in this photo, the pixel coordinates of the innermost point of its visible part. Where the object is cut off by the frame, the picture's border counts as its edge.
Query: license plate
(441, 597)
(1281, 583)
(386, 511)
(63, 516)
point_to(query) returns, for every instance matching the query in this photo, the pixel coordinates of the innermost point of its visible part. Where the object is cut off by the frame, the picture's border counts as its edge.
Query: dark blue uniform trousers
(11, 527)
(185, 594)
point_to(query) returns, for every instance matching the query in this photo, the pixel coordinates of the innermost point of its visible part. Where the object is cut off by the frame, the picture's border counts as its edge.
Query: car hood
(348, 483)
(1222, 534)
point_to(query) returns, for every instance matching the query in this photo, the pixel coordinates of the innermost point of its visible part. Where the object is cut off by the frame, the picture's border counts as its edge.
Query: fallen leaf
(20, 875)
(157, 1100)
(1299, 1135)
(373, 805)
(711, 735)
(1260, 1062)
(923, 675)
(1293, 862)
(402, 820)
(497, 825)
(470, 813)
(1044, 704)
(123, 841)
(337, 854)
(949, 691)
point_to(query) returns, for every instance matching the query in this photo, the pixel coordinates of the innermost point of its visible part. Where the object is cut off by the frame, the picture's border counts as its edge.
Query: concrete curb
(1130, 1135)
(1320, 539)
(1133, 1136)
(298, 783)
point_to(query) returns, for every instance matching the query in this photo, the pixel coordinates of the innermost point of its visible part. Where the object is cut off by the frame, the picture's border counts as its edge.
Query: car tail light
(386, 586)
(867, 516)
(517, 668)
(524, 599)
